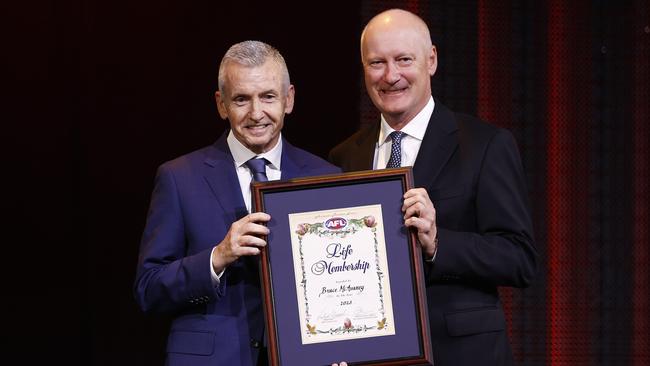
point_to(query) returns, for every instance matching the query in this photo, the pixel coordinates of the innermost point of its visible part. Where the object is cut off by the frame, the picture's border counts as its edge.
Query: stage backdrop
(104, 92)
(571, 80)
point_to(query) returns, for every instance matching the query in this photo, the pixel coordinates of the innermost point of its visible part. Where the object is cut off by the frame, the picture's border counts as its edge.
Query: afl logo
(336, 223)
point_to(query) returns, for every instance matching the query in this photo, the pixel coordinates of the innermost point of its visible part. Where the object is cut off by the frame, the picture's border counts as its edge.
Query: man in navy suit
(198, 255)
(470, 213)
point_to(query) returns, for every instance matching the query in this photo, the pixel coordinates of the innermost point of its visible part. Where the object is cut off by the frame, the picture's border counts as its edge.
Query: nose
(256, 111)
(391, 73)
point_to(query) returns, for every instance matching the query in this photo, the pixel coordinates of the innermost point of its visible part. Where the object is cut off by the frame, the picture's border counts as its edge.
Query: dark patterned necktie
(395, 160)
(258, 168)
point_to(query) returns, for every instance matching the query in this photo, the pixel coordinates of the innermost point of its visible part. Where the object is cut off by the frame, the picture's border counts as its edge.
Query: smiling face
(254, 102)
(398, 62)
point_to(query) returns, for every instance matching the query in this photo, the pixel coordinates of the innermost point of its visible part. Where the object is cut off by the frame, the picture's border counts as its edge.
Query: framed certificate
(342, 276)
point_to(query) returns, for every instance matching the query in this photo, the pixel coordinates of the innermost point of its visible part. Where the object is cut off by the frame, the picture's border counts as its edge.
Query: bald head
(398, 62)
(397, 20)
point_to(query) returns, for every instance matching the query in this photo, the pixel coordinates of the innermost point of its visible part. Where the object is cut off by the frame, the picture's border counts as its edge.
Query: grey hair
(253, 54)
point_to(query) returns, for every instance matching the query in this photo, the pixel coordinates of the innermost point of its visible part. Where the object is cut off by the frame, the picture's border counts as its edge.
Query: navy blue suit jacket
(474, 177)
(195, 200)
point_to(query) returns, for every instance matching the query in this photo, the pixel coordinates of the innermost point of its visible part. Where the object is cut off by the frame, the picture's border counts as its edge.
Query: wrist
(433, 249)
(217, 259)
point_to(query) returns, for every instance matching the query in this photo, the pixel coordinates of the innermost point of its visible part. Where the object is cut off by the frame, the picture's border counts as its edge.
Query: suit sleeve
(168, 281)
(501, 252)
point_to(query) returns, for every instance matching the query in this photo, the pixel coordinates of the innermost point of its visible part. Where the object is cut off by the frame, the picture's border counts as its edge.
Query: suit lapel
(292, 165)
(222, 178)
(439, 142)
(366, 143)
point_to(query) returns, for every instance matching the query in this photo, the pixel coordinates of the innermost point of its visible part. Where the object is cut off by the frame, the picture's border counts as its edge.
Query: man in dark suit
(470, 214)
(198, 252)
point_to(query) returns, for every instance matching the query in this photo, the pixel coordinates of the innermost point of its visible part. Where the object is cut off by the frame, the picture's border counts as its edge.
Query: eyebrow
(270, 91)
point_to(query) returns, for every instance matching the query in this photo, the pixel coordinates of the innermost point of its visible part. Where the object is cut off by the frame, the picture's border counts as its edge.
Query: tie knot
(396, 136)
(258, 168)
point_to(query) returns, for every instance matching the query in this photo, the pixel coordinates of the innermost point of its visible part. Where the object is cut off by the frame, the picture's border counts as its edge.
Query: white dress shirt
(241, 154)
(411, 141)
(414, 133)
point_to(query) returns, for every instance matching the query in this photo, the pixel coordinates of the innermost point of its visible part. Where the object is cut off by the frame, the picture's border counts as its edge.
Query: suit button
(255, 343)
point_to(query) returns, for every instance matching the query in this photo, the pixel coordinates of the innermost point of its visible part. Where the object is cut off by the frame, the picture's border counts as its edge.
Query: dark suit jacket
(473, 174)
(195, 200)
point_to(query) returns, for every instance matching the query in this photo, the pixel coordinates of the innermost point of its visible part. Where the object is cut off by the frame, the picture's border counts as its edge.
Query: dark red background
(98, 94)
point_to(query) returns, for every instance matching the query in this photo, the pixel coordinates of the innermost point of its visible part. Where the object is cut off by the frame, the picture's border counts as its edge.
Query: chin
(393, 110)
(394, 105)
(259, 145)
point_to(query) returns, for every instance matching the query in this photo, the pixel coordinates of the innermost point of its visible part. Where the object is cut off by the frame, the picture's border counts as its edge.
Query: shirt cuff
(216, 277)
(433, 257)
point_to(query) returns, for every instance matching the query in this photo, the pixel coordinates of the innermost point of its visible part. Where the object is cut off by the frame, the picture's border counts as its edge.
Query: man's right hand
(243, 238)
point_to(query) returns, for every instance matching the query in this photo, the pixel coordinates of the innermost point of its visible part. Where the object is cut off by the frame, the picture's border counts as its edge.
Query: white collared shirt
(414, 133)
(241, 154)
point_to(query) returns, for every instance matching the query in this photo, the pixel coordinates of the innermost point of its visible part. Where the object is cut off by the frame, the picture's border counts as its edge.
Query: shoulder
(475, 130)
(483, 137)
(472, 124)
(309, 162)
(189, 161)
(354, 141)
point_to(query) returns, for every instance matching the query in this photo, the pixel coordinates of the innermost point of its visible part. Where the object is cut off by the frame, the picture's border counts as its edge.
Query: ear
(221, 106)
(288, 107)
(433, 61)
